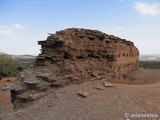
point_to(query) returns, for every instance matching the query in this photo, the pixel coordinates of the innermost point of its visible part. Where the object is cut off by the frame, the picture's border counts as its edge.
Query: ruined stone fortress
(76, 55)
(86, 53)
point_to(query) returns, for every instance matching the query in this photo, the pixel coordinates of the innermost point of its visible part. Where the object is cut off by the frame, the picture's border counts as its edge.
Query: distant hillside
(20, 58)
(149, 58)
(1, 53)
(23, 56)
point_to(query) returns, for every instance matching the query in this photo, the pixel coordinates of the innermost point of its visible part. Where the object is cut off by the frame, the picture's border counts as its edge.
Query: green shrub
(150, 64)
(8, 67)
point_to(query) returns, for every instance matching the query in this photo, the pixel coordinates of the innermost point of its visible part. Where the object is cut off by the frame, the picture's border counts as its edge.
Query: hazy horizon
(23, 23)
(1, 52)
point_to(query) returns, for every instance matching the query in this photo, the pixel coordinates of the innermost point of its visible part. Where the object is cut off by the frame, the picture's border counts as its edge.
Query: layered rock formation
(77, 55)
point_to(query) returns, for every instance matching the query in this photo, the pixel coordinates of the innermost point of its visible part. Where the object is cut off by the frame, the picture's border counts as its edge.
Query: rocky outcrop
(77, 55)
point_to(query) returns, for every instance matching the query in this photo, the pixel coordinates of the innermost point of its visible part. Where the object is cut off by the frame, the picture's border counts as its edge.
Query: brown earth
(7, 81)
(111, 103)
(5, 96)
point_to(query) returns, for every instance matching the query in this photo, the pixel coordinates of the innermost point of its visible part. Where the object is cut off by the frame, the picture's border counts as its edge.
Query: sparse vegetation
(150, 64)
(8, 67)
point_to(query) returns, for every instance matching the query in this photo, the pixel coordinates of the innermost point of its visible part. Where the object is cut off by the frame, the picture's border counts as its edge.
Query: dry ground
(5, 103)
(109, 104)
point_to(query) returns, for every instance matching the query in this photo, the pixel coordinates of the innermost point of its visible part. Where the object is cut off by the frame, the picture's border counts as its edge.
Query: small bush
(8, 67)
(150, 64)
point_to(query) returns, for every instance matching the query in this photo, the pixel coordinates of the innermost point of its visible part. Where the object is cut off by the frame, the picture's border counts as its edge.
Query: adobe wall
(95, 51)
(74, 56)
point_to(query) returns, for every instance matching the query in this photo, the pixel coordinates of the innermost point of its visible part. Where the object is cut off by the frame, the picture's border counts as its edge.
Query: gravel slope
(109, 104)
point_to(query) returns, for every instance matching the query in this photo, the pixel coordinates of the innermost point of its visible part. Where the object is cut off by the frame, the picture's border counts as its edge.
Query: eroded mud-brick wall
(74, 56)
(88, 53)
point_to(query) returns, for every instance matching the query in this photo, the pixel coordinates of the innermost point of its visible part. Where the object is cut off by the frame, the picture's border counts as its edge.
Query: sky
(24, 22)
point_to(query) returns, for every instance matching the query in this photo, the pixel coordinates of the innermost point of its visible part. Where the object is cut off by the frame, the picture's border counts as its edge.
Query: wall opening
(66, 55)
(80, 57)
(91, 38)
(107, 42)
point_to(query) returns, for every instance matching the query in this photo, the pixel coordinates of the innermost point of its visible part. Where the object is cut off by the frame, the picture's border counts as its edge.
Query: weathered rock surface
(99, 87)
(77, 55)
(108, 84)
(83, 94)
